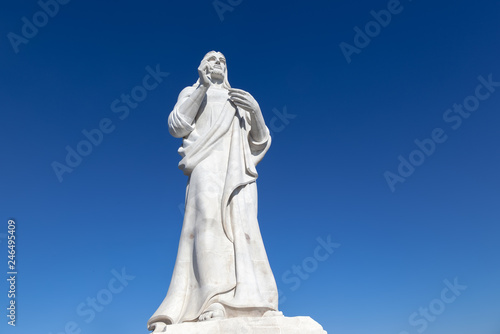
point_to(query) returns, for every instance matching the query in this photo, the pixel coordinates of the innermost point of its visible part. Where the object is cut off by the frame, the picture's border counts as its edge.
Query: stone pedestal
(264, 325)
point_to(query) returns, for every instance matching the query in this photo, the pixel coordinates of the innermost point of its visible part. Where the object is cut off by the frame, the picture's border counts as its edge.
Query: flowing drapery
(221, 256)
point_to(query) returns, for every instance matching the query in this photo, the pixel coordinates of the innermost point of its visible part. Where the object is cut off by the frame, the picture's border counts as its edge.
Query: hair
(225, 84)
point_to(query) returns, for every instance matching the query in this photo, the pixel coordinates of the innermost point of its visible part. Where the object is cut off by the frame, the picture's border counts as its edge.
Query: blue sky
(344, 128)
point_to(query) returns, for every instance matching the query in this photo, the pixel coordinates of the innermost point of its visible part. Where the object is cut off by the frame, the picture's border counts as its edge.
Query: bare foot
(158, 327)
(214, 311)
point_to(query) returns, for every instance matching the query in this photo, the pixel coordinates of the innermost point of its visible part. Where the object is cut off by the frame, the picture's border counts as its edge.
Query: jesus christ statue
(222, 269)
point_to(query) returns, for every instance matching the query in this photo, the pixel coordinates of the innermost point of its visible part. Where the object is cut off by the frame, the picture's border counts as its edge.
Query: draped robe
(221, 256)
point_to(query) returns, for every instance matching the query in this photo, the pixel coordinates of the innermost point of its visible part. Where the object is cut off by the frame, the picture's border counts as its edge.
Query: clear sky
(385, 147)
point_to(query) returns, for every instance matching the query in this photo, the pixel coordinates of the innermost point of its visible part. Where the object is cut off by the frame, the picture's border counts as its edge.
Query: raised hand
(202, 72)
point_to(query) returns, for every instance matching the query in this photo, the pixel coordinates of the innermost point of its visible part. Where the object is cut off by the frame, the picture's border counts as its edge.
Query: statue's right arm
(181, 119)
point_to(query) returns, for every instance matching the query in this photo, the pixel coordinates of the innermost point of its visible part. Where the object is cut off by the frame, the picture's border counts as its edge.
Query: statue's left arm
(258, 131)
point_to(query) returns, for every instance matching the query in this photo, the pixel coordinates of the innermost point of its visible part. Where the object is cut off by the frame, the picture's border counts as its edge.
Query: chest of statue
(216, 96)
(211, 108)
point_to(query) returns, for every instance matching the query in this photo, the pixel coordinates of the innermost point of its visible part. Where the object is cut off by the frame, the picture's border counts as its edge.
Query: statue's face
(217, 66)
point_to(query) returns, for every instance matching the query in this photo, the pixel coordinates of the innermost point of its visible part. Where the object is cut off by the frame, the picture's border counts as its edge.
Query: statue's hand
(244, 100)
(202, 72)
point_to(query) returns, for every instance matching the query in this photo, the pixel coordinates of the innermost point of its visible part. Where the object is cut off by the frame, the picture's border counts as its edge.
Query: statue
(222, 269)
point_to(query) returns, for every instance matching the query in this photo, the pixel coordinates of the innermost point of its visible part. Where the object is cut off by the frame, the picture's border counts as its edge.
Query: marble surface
(222, 281)
(222, 269)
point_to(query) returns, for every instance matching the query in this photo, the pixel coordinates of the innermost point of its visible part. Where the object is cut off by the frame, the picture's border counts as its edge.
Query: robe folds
(221, 256)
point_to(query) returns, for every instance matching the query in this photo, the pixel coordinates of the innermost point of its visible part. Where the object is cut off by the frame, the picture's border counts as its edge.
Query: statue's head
(217, 69)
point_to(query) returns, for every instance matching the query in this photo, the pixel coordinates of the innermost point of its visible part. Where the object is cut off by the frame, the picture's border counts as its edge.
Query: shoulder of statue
(186, 92)
(189, 89)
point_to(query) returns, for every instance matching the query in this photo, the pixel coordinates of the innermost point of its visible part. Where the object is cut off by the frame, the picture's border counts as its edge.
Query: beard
(217, 74)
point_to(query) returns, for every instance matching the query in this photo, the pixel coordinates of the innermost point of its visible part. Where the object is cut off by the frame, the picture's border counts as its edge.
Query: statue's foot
(158, 327)
(214, 311)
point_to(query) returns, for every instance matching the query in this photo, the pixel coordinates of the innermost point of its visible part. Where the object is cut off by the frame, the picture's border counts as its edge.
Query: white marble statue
(222, 270)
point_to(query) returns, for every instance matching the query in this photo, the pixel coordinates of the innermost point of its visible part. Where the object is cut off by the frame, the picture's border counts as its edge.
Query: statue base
(264, 325)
